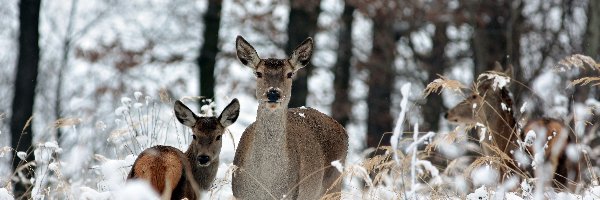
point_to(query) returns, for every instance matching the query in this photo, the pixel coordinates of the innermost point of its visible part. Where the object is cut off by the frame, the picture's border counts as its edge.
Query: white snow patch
(136, 190)
(480, 193)
(499, 80)
(529, 138)
(573, 152)
(523, 107)
(137, 95)
(338, 165)
(484, 175)
(302, 115)
(22, 155)
(5, 195)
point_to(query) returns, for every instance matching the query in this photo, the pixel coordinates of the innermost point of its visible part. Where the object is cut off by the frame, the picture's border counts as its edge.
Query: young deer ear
(246, 53)
(301, 55)
(184, 114)
(230, 113)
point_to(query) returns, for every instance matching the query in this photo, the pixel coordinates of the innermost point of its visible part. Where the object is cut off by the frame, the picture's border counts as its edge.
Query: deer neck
(499, 121)
(271, 129)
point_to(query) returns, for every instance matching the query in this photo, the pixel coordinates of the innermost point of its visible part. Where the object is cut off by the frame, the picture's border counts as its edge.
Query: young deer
(489, 109)
(285, 153)
(181, 175)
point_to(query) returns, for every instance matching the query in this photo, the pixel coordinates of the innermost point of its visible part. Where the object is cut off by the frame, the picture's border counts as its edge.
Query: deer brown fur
(182, 175)
(286, 153)
(490, 109)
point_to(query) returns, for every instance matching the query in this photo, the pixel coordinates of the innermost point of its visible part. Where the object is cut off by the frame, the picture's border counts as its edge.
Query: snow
(484, 175)
(338, 165)
(5, 195)
(22, 155)
(499, 80)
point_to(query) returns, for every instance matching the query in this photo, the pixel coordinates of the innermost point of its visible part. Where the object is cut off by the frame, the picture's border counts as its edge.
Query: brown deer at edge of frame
(490, 110)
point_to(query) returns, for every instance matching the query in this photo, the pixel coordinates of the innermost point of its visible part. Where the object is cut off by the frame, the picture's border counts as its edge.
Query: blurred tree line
(411, 41)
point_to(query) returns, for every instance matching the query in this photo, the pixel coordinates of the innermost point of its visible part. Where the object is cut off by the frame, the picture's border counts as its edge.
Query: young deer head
(179, 175)
(274, 76)
(207, 131)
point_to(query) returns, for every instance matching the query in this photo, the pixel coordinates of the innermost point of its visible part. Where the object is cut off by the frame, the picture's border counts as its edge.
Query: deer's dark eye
(218, 138)
(258, 75)
(290, 74)
(194, 137)
(474, 97)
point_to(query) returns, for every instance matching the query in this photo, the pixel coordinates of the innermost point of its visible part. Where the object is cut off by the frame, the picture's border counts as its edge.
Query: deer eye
(474, 97)
(218, 138)
(258, 75)
(194, 137)
(290, 74)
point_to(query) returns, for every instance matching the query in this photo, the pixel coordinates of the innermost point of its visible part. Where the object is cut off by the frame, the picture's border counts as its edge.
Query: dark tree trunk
(496, 38)
(435, 64)
(25, 83)
(302, 24)
(342, 106)
(498, 29)
(210, 48)
(591, 47)
(592, 34)
(381, 83)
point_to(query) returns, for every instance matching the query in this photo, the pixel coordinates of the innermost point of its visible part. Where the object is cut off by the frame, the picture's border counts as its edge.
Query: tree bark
(496, 37)
(381, 82)
(435, 64)
(25, 84)
(342, 106)
(208, 53)
(302, 24)
(591, 47)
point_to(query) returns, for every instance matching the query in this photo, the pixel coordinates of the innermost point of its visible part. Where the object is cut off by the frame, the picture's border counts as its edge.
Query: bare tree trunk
(25, 84)
(435, 63)
(494, 38)
(381, 82)
(342, 106)
(210, 48)
(498, 29)
(302, 24)
(591, 47)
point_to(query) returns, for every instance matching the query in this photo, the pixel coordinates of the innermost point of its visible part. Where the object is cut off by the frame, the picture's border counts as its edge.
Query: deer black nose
(273, 95)
(203, 160)
(445, 115)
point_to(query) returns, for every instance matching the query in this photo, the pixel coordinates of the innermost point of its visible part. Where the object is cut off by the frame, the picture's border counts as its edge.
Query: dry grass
(437, 85)
(577, 61)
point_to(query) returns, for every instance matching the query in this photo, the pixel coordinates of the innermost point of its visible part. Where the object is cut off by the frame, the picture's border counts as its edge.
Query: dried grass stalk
(437, 85)
(64, 122)
(577, 61)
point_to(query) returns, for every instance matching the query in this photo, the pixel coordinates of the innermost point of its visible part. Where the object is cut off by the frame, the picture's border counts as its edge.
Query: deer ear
(301, 55)
(246, 53)
(509, 70)
(230, 113)
(184, 114)
(498, 67)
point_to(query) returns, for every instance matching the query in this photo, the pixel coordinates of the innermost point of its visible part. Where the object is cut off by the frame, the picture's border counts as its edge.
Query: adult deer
(182, 175)
(490, 110)
(285, 153)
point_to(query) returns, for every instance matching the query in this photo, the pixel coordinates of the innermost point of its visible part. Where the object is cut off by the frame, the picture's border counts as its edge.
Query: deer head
(489, 91)
(207, 131)
(274, 76)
